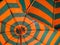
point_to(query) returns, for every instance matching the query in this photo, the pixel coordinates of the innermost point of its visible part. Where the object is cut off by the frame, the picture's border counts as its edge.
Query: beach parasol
(18, 28)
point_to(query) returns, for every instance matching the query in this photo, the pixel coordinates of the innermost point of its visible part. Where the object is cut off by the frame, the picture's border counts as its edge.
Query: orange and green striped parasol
(28, 22)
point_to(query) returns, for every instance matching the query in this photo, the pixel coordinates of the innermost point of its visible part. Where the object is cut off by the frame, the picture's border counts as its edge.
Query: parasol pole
(20, 37)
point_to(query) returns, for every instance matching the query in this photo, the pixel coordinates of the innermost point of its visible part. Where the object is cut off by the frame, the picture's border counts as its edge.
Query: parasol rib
(7, 41)
(29, 6)
(10, 10)
(31, 23)
(24, 41)
(5, 23)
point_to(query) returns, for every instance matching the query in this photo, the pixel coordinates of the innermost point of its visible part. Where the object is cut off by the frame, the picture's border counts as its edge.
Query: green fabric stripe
(57, 4)
(2, 10)
(13, 5)
(44, 9)
(39, 18)
(50, 2)
(24, 43)
(57, 26)
(22, 15)
(18, 44)
(51, 38)
(37, 26)
(8, 18)
(0, 43)
(23, 4)
(58, 41)
(57, 16)
(43, 36)
(38, 43)
(31, 1)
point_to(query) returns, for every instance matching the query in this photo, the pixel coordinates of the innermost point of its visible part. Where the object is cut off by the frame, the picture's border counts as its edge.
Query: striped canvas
(57, 15)
(42, 21)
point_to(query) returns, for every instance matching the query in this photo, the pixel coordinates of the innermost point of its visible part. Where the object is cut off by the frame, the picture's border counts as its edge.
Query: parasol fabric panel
(57, 15)
(42, 10)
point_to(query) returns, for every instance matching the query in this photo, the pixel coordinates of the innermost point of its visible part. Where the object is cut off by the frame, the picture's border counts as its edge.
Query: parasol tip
(19, 31)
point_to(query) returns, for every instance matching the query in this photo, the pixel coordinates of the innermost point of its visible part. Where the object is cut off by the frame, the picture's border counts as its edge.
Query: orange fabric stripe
(2, 39)
(57, 21)
(5, 15)
(46, 4)
(11, 1)
(57, 10)
(34, 42)
(16, 10)
(2, 4)
(27, 3)
(19, 5)
(22, 19)
(19, 19)
(12, 21)
(42, 44)
(40, 13)
(42, 27)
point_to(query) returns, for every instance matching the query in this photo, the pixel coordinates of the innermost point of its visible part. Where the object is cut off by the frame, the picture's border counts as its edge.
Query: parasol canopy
(19, 24)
